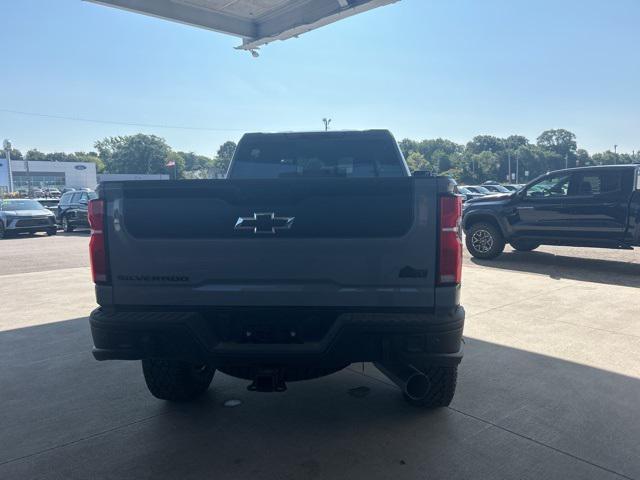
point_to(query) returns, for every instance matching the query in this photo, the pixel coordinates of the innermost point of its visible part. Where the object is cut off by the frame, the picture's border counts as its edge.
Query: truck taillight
(97, 247)
(450, 271)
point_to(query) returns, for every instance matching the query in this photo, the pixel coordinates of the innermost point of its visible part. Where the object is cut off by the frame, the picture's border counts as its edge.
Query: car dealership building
(46, 175)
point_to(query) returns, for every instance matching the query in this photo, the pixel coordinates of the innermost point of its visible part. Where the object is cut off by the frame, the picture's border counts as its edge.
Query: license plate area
(272, 326)
(270, 333)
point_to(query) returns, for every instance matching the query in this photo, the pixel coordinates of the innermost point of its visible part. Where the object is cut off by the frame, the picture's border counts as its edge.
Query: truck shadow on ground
(23, 236)
(66, 415)
(60, 233)
(76, 233)
(609, 272)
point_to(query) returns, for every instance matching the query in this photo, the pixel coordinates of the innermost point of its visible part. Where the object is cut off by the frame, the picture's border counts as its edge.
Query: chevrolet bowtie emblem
(264, 223)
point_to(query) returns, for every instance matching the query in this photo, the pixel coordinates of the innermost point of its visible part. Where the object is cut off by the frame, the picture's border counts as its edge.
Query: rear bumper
(427, 338)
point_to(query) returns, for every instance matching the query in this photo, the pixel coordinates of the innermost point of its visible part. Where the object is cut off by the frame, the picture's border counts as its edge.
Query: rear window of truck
(317, 156)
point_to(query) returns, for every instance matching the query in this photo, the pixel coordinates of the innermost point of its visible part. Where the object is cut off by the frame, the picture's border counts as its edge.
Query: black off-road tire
(66, 226)
(524, 245)
(442, 387)
(52, 231)
(484, 241)
(3, 232)
(176, 381)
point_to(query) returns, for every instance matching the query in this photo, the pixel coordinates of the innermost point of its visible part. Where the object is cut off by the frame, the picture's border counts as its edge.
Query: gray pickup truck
(319, 250)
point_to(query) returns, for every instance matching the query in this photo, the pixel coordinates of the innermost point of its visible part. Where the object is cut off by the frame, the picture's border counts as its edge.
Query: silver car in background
(25, 216)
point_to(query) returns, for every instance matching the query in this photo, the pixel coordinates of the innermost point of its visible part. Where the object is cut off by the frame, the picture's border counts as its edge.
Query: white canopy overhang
(257, 22)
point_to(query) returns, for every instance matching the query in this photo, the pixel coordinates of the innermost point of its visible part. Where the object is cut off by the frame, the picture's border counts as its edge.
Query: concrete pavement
(549, 388)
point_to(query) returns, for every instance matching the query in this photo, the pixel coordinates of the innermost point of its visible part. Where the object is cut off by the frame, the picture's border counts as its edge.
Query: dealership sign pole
(7, 148)
(26, 167)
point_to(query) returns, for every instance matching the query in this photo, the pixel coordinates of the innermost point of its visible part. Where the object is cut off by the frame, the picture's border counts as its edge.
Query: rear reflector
(450, 271)
(97, 247)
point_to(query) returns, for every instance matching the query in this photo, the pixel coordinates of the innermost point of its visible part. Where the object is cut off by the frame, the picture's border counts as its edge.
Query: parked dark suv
(72, 210)
(588, 206)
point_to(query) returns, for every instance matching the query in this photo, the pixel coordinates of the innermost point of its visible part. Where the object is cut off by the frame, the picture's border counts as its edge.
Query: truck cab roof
(350, 153)
(330, 133)
(598, 167)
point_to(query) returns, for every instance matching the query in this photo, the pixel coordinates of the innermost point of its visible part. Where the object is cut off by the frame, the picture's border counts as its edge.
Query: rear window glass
(496, 188)
(599, 183)
(317, 156)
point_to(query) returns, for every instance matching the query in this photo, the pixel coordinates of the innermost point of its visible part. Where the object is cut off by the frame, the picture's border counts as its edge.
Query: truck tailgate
(353, 242)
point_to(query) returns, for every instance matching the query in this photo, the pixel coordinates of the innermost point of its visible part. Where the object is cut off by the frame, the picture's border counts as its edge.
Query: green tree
(455, 173)
(487, 164)
(59, 157)
(134, 154)
(429, 147)
(440, 160)
(438, 151)
(582, 158)
(15, 154)
(407, 146)
(224, 156)
(417, 162)
(176, 171)
(529, 158)
(514, 142)
(462, 169)
(35, 155)
(90, 157)
(559, 141)
(625, 158)
(605, 158)
(194, 162)
(485, 143)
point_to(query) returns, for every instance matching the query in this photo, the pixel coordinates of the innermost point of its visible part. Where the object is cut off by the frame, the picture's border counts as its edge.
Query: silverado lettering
(153, 278)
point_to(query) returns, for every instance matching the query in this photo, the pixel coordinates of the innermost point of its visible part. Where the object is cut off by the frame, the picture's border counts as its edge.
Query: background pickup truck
(588, 207)
(318, 250)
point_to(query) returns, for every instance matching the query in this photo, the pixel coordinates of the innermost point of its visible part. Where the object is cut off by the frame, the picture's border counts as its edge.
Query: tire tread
(175, 381)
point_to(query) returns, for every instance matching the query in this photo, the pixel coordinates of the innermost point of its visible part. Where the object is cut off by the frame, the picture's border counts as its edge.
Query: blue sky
(422, 68)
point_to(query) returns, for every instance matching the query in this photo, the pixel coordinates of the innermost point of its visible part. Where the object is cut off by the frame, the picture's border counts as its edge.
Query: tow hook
(268, 380)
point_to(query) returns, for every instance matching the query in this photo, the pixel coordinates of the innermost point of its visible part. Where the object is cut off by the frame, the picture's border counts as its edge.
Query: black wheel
(3, 232)
(484, 241)
(524, 245)
(441, 390)
(176, 381)
(52, 231)
(66, 226)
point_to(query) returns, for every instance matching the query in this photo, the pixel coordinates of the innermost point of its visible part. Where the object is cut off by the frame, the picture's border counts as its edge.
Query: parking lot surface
(549, 387)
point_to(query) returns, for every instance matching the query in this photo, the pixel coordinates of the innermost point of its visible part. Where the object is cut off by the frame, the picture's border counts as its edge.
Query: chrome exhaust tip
(413, 383)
